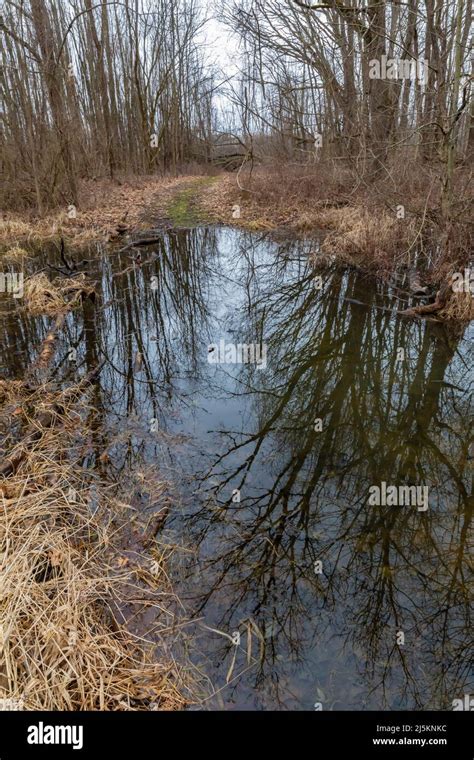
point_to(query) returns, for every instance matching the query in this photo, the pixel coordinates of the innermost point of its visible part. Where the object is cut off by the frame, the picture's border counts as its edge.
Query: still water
(302, 595)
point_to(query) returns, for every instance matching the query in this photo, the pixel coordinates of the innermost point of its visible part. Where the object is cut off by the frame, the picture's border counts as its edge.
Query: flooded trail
(304, 595)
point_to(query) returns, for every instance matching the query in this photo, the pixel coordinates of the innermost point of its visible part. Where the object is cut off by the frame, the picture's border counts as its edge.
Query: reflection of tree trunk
(90, 337)
(442, 356)
(97, 414)
(409, 444)
(16, 336)
(353, 342)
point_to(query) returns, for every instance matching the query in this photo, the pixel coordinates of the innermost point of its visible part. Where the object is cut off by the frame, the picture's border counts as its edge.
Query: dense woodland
(97, 89)
(91, 89)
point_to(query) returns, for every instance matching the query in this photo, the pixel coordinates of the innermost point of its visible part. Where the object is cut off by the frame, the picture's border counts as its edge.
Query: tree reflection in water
(328, 637)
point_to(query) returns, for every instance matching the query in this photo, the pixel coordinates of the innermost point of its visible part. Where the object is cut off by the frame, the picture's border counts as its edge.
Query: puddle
(306, 586)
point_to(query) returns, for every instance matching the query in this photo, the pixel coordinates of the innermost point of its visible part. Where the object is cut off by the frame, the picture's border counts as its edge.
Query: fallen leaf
(55, 557)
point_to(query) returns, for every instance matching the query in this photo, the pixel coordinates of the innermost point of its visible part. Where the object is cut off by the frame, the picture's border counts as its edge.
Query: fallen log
(46, 352)
(47, 348)
(141, 242)
(430, 308)
(155, 524)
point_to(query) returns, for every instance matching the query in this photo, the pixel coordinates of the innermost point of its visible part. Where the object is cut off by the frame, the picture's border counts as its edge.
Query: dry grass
(56, 297)
(219, 199)
(16, 231)
(13, 229)
(459, 307)
(64, 578)
(358, 236)
(14, 254)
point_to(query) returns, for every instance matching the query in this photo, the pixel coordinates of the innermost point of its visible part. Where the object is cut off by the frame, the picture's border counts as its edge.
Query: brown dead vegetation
(354, 225)
(106, 211)
(65, 577)
(52, 298)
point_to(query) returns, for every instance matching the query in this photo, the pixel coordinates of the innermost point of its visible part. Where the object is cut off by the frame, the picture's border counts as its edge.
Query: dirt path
(108, 210)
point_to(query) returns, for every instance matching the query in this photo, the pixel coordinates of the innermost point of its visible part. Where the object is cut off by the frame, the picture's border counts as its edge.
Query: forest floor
(107, 209)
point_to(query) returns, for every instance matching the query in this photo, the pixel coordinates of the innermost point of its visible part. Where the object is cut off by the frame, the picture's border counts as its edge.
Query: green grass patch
(184, 209)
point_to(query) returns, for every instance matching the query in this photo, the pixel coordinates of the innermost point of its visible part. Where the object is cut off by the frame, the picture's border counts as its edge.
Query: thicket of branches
(308, 71)
(92, 88)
